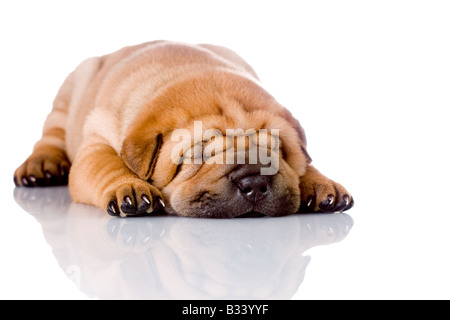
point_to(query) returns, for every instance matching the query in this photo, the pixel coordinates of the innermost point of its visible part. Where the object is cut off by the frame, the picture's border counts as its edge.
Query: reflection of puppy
(114, 121)
(176, 258)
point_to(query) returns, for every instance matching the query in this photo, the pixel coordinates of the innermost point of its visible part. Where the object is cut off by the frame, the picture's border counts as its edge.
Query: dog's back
(112, 89)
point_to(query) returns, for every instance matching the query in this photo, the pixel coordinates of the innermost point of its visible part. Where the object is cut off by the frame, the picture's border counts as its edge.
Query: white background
(368, 80)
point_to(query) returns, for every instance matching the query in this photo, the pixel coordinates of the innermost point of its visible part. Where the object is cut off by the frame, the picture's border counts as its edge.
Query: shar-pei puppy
(177, 128)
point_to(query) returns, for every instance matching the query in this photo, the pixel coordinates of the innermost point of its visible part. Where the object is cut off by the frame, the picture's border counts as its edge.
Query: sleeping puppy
(184, 128)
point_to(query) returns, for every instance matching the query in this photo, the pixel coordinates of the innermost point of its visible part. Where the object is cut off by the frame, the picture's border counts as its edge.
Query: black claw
(327, 205)
(352, 203)
(16, 182)
(127, 206)
(32, 180)
(145, 205)
(308, 206)
(113, 210)
(341, 206)
(62, 177)
(64, 171)
(36, 182)
(25, 182)
(48, 180)
(158, 206)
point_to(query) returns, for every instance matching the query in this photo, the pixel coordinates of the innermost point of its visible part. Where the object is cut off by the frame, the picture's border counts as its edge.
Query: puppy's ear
(140, 152)
(308, 158)
(301, 133)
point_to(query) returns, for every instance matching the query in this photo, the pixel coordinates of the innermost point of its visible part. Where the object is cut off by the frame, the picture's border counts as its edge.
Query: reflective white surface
(178, 258)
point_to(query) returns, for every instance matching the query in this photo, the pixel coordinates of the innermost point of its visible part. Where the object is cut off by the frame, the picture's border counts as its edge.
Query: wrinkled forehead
(217, 141)
(213, 140)
(229, 137)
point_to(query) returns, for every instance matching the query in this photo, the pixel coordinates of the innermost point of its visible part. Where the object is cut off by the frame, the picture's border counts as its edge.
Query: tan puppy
(118, 135)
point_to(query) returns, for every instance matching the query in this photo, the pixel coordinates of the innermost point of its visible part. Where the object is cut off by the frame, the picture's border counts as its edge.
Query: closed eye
(178, 170)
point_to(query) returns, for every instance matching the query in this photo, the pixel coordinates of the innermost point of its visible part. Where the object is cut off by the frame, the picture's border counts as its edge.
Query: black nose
(254, 187)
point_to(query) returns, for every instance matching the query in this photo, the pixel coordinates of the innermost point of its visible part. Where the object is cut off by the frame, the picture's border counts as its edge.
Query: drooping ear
(308, 157)
(301, 133)
(140, 152)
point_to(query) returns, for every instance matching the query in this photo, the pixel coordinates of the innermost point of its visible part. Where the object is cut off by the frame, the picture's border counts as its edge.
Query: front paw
(135, 197)
(47, 167)
(324, 195)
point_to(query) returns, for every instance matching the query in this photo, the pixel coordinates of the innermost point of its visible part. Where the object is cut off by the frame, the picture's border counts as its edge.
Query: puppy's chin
(229, 208)
(235, 207)
(221, 191)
